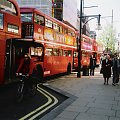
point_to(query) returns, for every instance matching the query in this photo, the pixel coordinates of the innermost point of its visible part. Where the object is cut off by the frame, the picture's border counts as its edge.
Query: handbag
(101, 70)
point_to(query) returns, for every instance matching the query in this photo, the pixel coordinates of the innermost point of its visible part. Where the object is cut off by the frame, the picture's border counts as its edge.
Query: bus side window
(55, 52)
(60, 52)
(40, 51)
(65, 53)
(69, 53)
(32, 51)
(48, 52)
(75, 54)
(36, 53)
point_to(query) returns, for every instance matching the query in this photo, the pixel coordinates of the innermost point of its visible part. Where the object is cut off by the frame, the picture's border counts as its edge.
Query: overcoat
(92, 63)
(106, 68)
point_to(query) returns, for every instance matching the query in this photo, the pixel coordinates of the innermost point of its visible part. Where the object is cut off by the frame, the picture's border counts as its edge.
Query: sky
(104, 8)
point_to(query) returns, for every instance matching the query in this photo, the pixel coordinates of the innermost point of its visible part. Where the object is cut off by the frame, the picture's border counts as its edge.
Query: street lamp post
(80, 36)
(79, 43)
(107, 44)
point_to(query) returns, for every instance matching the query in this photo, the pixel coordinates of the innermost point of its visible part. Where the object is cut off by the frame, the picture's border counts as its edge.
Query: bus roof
(31, 9)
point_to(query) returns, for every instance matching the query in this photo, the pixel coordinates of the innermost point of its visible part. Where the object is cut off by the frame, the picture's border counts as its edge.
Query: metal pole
(112, 17)
(79, 43)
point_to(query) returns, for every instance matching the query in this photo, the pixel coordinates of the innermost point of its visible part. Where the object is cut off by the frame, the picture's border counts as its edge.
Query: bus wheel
(39, 73)
(69, 69)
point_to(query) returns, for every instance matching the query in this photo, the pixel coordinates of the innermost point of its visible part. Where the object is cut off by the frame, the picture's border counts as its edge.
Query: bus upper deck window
(38, 19)
(8, 7)
(48, 23)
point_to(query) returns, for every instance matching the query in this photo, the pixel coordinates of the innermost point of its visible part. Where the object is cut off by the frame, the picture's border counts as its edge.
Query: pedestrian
(92, 65)
(106, 66)
(115, 70)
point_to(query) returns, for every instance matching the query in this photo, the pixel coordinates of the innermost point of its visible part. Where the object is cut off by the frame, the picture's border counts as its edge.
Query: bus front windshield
(26, 17)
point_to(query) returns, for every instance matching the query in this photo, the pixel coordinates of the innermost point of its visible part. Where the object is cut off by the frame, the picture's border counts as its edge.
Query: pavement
(94, 100)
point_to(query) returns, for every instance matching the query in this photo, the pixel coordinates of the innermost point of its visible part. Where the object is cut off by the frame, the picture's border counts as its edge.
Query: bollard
(85, 71)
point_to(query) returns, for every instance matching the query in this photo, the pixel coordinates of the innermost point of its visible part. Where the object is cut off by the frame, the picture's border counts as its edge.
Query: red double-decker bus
(10, 29)
(47, 40)
(89, 47)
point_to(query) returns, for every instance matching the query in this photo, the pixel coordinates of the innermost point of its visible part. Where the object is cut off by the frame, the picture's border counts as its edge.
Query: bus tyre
(69, 69)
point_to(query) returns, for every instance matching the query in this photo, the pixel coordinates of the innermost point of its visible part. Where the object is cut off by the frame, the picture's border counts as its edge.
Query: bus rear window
(26, 17)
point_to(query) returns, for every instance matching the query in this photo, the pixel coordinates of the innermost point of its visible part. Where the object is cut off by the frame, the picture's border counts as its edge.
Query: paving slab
(95, 101)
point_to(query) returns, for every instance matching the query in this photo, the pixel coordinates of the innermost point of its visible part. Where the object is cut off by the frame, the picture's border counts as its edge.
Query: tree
(108, 38)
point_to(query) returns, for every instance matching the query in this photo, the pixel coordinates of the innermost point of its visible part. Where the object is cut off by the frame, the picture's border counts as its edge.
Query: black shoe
(117, 84)
(113, 84)
(104, 83)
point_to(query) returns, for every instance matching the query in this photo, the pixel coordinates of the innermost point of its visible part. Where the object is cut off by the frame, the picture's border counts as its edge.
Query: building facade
(66, 11)
(63, 10)
(43, 5)
(70, 12)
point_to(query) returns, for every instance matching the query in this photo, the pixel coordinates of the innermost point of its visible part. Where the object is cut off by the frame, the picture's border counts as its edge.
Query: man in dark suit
(115, 69)
(106, 65)
(92, 65)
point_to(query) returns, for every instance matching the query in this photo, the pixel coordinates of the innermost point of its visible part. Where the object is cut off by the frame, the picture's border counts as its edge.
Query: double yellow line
(37, 112)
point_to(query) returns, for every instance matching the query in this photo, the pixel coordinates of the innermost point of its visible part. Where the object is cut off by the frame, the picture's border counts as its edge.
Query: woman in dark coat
(106, 65)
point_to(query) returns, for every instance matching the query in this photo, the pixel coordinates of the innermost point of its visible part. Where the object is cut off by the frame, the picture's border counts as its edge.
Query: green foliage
(108, 38)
